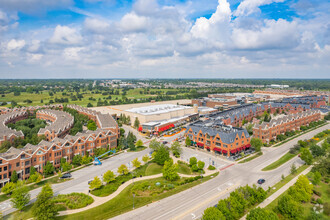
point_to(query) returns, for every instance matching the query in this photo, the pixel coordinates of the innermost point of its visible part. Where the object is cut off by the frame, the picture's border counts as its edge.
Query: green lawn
(285, 158)
(124, 201)
(153, 169)
(184, 169)
(251, 158)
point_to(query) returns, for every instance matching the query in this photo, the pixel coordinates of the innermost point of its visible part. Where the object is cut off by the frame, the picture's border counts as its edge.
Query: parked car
(261, 181)
(165, 142)
(66, 176)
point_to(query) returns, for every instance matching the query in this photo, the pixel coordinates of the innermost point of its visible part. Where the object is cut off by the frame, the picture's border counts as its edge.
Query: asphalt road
(79, 183)
(191, 203)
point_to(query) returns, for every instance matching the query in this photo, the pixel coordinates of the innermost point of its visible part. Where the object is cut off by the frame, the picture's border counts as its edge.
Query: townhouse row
(21, 160)
(268, 131)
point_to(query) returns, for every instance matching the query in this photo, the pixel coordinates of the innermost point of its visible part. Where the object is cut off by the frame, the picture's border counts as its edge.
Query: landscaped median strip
(285, 158)
(101, 200)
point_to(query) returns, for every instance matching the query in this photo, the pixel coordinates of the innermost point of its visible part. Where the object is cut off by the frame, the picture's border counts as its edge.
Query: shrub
(318, 193)
(319, 201)
(211, 167)
(74, 200)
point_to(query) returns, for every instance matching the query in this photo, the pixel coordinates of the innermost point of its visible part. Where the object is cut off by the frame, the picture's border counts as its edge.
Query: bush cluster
(74, 200)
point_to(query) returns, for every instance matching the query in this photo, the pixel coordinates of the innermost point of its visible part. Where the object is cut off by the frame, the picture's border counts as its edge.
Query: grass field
(184, 169)
(124, 202)
(44, 95)
(285, 158)
(153, 169)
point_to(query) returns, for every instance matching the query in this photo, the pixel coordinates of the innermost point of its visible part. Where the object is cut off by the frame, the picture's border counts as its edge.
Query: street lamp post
(133, 200)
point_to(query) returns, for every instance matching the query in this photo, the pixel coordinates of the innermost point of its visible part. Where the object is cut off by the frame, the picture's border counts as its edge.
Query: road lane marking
(203, 203)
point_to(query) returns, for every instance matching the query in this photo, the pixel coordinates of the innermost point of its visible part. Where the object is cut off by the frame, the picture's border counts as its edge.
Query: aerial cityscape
(158, 110)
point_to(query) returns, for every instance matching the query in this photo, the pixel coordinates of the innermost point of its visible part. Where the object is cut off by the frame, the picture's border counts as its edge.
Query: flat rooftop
(157, 109)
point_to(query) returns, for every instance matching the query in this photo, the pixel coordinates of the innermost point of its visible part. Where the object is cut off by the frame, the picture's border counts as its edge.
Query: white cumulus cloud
(15, 44)
(65, 35)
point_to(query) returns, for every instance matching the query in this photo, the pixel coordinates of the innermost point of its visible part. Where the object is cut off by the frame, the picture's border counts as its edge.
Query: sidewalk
(280, 191)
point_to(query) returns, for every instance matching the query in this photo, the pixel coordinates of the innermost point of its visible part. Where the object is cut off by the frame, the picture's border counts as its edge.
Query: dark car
(66, 175)
(261, 181)
(165, 142)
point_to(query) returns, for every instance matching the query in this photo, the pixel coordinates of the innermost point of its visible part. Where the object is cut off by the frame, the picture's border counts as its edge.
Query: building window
(5, 168)
(17, 164)
(5, 176)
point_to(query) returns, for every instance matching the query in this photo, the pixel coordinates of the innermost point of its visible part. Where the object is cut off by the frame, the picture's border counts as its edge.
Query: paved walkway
(280, 191)
(101, 200)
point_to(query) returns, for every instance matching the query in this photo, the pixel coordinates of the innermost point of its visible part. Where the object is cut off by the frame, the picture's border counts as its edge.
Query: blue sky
(164, 39)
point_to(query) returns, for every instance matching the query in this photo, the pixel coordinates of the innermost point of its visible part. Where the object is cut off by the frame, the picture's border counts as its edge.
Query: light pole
(133, 200)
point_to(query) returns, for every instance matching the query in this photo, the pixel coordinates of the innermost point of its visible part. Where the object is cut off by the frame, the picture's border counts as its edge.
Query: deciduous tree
(256, 143)
(20, 197)
(162, 155)
(261, 214)
(44, 207)
(95, 183)
(123, 170)
(108, 176)
(136, 163)
(145, 158)
(170, 170)
(306, 156)
(212, 213)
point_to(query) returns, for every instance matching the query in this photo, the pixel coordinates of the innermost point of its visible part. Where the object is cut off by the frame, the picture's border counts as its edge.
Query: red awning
(233, 151)
(217, 149)
(207, 147)
(200, 144)
(224, 151)
(248, 145)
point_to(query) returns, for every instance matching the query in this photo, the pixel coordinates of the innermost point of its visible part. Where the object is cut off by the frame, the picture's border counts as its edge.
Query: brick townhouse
(268, 131)
(57, 145)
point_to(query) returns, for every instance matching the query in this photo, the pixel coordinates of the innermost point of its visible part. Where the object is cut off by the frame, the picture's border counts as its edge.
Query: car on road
(165, 142)
(66, 176)
(261, 181)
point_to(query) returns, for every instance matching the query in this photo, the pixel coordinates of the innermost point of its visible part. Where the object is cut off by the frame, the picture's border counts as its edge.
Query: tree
(14, 177)
(261, 214)
(200, 165)
(176, 149)
(293, 169)
(108, 176)
(49, 169)
(323, 165)
(8, 188)
(76, 160)
(66, 166)
(145, 158)
(20, 197)
(192, 161)
(256, 143)
(123, 170)
(317, 178)
(316, 150)
(302, 190)
(136, 163)
(306, 156)
(212, 213)
(139, 143)
(162, 155)
(136, 123)
(170, 170)
(44, 208)
(188, 141)
(154, 144)
(91, 125)
(288, 207)
(89, 105)
(95, 183)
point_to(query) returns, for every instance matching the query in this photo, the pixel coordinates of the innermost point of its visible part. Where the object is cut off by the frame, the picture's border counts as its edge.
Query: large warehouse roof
(157, 109)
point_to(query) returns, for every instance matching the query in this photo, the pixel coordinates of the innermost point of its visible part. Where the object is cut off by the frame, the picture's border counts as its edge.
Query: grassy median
(285, 158)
